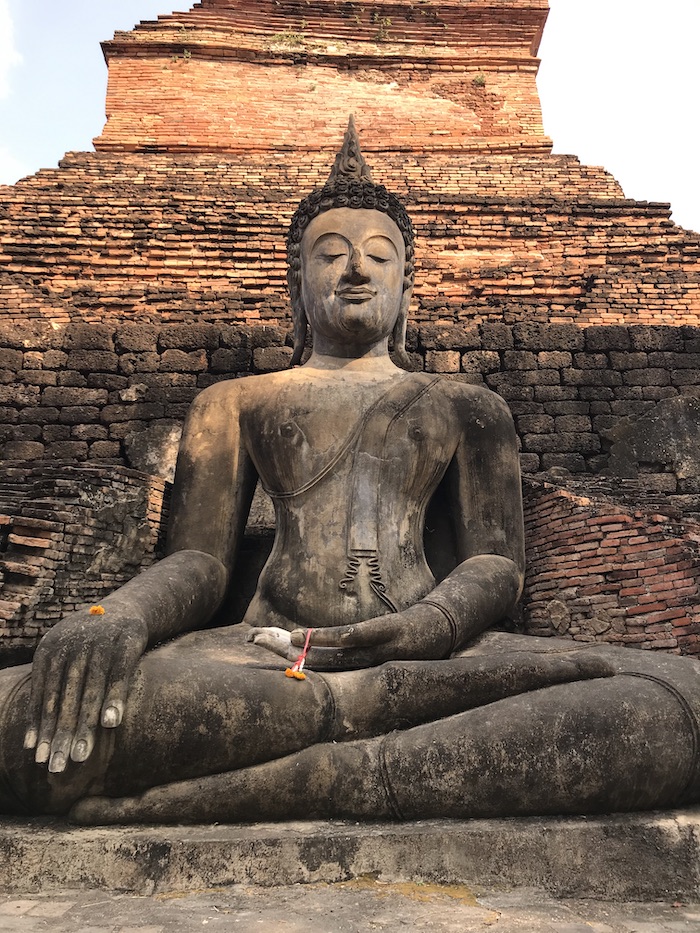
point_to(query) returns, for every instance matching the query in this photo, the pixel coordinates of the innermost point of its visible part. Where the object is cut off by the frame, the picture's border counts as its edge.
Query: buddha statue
(362, 683)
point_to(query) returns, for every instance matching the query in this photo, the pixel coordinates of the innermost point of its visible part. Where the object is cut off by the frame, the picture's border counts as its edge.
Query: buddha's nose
(355, 271)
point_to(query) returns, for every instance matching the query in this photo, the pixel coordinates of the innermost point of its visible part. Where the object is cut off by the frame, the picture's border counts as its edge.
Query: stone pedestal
(626, 857)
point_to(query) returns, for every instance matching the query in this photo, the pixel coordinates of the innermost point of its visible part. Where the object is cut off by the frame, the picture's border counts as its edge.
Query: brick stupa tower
(136, 275)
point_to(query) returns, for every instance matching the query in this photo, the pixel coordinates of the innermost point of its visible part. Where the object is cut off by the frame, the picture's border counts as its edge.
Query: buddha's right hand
(80, 679)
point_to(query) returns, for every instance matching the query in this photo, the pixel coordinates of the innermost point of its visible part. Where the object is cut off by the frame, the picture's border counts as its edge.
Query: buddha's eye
(331, 257)
(380, 259)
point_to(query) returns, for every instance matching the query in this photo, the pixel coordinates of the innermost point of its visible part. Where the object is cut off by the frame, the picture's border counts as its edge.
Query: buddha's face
(352, 273)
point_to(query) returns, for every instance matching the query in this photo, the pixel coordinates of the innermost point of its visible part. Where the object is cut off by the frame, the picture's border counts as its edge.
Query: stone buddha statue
(402, 702)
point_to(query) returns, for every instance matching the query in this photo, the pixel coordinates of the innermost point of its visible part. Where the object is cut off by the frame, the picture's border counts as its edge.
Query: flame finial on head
(349, 162)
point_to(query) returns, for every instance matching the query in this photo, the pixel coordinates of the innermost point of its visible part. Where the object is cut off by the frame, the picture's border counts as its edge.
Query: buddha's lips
(356, 294)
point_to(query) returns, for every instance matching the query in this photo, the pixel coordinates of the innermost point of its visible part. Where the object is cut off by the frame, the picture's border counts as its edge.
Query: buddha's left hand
(418, 633)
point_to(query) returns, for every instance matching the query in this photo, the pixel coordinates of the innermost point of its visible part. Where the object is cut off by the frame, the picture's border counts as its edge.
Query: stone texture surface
(346, 907)
(665, 440)
(635, 857)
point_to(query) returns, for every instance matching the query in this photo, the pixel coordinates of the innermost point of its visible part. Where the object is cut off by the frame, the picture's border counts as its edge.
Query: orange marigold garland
(297, 669)
(97, 610)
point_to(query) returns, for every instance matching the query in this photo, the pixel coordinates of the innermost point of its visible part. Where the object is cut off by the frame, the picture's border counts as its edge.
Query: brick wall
(602, 571)
(239, 75)
(435, 110)
(181, 214)
(199, 238)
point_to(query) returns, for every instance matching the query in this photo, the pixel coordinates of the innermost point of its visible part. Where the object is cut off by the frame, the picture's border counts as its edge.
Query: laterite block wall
(102, 393)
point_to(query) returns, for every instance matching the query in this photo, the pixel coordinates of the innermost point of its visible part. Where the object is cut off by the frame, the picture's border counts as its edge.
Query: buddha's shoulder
(241, 392)
(471, 401)
(251, 393)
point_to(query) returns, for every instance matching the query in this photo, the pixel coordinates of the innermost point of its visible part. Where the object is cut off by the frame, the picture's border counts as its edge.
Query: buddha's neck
(367, 364)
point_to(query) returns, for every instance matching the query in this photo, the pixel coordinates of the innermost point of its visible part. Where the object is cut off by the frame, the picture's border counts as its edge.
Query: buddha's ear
(299, 319)
(301, 326)
(399, 332)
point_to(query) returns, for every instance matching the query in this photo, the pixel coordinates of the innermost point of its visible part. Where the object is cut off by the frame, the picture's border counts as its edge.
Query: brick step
(428, 25)
(20, 568)
(426, 32)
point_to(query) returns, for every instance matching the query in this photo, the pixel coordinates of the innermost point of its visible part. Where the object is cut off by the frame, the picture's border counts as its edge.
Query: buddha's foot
(289, 788)
(401, 694)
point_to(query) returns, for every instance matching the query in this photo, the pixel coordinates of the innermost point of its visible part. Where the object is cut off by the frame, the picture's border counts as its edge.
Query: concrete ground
(344, 907)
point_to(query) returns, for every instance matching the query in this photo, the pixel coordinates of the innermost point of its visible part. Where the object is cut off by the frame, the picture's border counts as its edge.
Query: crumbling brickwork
(599, 570)
(69, 536)
(201, 238)
(433, 75)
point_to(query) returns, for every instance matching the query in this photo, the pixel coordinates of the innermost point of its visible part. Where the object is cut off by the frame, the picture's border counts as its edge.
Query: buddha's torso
(351, 465)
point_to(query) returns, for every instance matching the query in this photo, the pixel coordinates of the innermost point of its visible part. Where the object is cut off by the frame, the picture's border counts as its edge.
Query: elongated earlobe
(399, 333)
(299, 319)
(301, 326)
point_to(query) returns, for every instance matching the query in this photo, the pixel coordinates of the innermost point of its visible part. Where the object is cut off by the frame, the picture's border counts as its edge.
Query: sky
(619, 84)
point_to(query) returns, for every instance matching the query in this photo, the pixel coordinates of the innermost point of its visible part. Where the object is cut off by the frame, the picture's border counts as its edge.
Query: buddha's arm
(83, 666)
(485, 500)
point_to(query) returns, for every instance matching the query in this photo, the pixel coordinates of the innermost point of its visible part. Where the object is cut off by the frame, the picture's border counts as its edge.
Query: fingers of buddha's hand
(57, 676)
(103, 693)
(40, 669)
(80, 674)
(367, 634)
(350, 647)
(62, 702)
(46, 679)
(125, 656)
(274, 639)
(66, 718)
(94, 691)
(93, 696)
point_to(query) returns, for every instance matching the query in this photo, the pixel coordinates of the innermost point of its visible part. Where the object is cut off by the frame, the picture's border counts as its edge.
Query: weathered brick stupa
(136, 275)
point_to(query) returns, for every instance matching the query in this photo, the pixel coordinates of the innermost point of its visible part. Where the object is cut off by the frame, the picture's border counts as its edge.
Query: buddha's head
(350, 254)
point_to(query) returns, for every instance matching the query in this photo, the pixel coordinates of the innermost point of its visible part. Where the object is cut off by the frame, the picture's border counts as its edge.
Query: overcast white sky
(619, 81)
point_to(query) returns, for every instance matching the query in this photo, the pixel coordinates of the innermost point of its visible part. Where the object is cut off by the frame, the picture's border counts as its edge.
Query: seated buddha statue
(363, 682)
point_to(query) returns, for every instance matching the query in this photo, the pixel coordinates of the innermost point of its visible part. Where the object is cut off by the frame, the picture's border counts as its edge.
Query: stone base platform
(653, 856)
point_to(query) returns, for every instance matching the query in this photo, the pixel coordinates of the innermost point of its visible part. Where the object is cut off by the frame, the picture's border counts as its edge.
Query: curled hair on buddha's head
(349, 185)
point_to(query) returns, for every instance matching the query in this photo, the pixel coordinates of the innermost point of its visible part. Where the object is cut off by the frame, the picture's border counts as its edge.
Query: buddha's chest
(400, 437)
